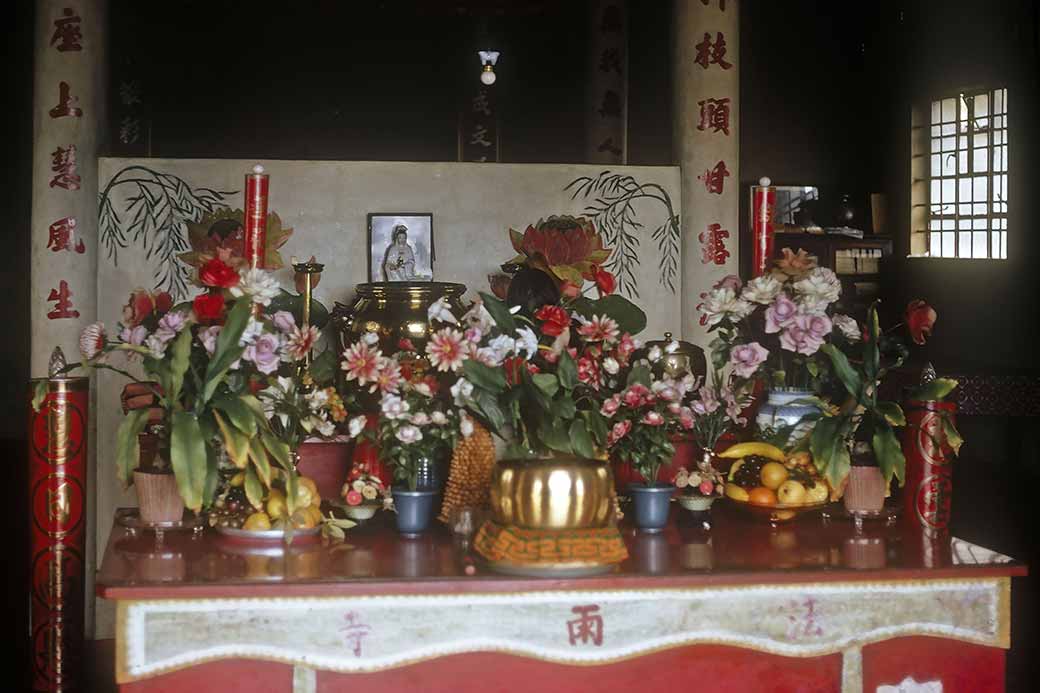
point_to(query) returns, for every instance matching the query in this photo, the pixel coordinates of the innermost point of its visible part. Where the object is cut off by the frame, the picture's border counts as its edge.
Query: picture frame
(397, 254)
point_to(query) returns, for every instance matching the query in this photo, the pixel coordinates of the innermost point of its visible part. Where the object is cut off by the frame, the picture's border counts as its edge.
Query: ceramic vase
(786, 407)
(158, 498)
(414, 510)
(865, 493)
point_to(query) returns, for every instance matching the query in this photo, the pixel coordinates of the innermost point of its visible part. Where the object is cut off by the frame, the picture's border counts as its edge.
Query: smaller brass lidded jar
(686, 358)
(394, 311)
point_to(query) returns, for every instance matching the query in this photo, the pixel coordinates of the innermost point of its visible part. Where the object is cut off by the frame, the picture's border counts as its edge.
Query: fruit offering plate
(779, 512)
(269, 536)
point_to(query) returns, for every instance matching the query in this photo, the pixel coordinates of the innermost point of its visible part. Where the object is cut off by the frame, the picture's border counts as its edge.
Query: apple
(791, 492)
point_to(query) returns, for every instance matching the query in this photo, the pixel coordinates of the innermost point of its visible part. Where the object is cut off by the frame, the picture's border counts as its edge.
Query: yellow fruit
(791, 492)
(734, 468)
(302, 519)
(760, 495)
(257, 522)
(276, 507)
(800, 459)
(818, 493)
(314, 498)
(736, 493)
(754, 448)
(238, 479)
(773, 474)
(784, 515)
(315, 513)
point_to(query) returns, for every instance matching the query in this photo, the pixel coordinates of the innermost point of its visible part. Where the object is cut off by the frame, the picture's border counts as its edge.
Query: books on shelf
(857, 261)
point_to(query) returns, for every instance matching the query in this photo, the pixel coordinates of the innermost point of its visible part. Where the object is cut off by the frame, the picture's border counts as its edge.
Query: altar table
(808, 606)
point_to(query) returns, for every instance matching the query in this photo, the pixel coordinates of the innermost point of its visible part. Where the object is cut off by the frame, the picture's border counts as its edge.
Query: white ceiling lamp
(488, 59)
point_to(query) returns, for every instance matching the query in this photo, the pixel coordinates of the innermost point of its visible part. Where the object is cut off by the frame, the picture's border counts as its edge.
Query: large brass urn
(562, 493)
(394, 311)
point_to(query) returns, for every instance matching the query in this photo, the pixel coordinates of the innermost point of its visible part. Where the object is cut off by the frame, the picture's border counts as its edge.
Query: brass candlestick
(308, 270)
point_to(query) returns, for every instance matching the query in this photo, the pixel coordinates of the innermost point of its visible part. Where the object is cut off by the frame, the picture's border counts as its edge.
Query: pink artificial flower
(284, 321)
(361, 363)
(600, 329)
(446, 350)
(819, 326)
(473, 335)
(746, 358)
(733, 407)
(686, 419)
(264, 353)
(652, 418)
(706, 403)
(405, 344)
(730, 281)
(354, 497)
(626, 345)
(619, 431)
(610, 406)
(388, 378)
(208, 338)
(920, 319)
(136, 335)
(780, 314)
(636, 395)
(588, 372)
(300, 342)
(799, 340)
(706, 487)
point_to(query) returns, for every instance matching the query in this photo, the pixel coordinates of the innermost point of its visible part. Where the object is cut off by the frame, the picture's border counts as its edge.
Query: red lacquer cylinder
(58, 497)
(929, 482)
(763, 200)
(257, 185)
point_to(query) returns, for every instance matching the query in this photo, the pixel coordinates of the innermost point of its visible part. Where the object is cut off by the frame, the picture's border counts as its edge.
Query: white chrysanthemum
(848, 326)
(724, 303)
(356, 425)
(260, 286)
(92, 340)
(762, 289)
(409, 434)
(393, 407)
(821, 286)
(526, 342)
(462, 391)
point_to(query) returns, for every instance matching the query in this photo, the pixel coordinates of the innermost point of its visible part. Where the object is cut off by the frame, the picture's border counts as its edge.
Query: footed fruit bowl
(768, 484)
(779, 512)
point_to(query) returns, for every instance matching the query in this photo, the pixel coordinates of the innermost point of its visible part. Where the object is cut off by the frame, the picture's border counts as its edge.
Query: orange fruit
(773, 474)
(257, 522)
(760, 495)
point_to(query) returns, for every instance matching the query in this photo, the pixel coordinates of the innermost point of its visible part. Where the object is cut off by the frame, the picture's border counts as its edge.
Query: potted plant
(418, 424)
(363, 494)
(202, 363)
(790, 313)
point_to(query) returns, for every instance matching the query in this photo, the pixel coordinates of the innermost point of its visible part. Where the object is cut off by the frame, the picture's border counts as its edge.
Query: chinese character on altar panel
(588, 626)
(712, 54)
(610, 59)
(479, 136)
(63, 164)
(722, 4)
(714, 178)
(611, 105)
(481, 103)
(64, 308)
(66, 32)
(803, 623)
(61, 234)
(713, 245)
(66, 103)
(354, 632)
(714, 115)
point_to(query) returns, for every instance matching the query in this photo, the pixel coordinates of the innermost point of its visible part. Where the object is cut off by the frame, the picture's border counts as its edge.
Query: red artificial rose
(432, 383)
(605, 281)
(555, 320)
(208, 307)
(920, 318)
(163, 303)
(217, 274)
(139, 307)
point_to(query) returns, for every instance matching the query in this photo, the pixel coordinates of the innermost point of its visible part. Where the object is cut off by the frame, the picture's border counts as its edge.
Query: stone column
(706, 83)
(606, 91)
(68, 110)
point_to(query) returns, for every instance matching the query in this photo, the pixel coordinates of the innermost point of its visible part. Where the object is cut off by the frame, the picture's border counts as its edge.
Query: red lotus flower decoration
(920, 319)
(567, 248)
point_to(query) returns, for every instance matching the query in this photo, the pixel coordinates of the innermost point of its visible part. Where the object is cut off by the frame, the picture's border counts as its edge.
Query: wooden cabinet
(861, 264)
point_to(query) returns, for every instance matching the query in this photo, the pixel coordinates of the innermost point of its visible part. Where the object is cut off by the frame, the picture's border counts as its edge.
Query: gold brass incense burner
(394, 311)
(565, 492)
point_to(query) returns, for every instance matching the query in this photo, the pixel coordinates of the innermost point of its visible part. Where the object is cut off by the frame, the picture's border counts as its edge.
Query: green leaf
(489, 405)
(291, 488)
(597, 425)
(933, 391)
(238, 413)
(888, 452)
(39, 394)
(892, 413)
(180, 353)
(829, 451)
(323, 367)
(254, 489)
(255, 406)
(555, 436)
(563, 408)
(567, 371)
(227, 350)
(581, 441)
(640, 374)
(128, 452)
(188, 457)
(278, 449)
(953, 436)
(500, 313)
(209, 489)
(236, 443)
(546, 383)
(846, 373)
(258, 454)
(293, 303)
(629, 317)
(485, 377)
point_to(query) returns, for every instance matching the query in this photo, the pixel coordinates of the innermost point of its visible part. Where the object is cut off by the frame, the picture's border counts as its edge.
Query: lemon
(276, 507)
(238, 479)
(302, 519)
(736, 493)
(311, 497)
(818, 493)
(773, 474)
(791, 492)
(315, 513)
(257, 522)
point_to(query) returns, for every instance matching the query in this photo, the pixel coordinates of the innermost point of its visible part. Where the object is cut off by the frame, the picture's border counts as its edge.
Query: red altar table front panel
(750, 565)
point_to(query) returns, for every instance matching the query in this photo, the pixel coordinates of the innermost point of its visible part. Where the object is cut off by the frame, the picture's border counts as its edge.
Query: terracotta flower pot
(328, 463)
(158, 498)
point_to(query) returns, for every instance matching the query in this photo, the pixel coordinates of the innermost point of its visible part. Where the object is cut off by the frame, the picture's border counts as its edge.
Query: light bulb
(488, 75)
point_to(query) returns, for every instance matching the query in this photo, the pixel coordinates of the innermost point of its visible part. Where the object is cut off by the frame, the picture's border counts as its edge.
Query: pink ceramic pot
(158, 498)
(328, 463)
(866, 490)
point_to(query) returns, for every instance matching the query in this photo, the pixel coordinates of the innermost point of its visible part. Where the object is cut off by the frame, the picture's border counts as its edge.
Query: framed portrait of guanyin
(400, 247)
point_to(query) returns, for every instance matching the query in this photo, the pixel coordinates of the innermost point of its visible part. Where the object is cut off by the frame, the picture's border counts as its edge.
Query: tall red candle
(763, 200)
(929, 482)
(257, 185)
(58, 496)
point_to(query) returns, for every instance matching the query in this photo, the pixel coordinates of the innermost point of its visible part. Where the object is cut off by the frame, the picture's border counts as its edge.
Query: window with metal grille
(967, 176)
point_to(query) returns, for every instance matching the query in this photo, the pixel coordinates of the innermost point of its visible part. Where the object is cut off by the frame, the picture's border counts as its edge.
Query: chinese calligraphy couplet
(606, 90)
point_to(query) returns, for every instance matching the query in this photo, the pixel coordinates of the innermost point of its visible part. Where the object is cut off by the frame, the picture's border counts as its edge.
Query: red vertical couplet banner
(58, 496)
(929, 482)
(257, 184)
(763, 200)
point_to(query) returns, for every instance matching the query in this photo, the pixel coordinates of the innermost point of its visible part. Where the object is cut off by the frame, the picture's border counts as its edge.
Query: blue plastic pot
(414, 510)
(651, 505)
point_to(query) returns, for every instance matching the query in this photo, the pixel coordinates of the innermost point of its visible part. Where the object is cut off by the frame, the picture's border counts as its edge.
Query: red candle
(257, 184)
(763, 199)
